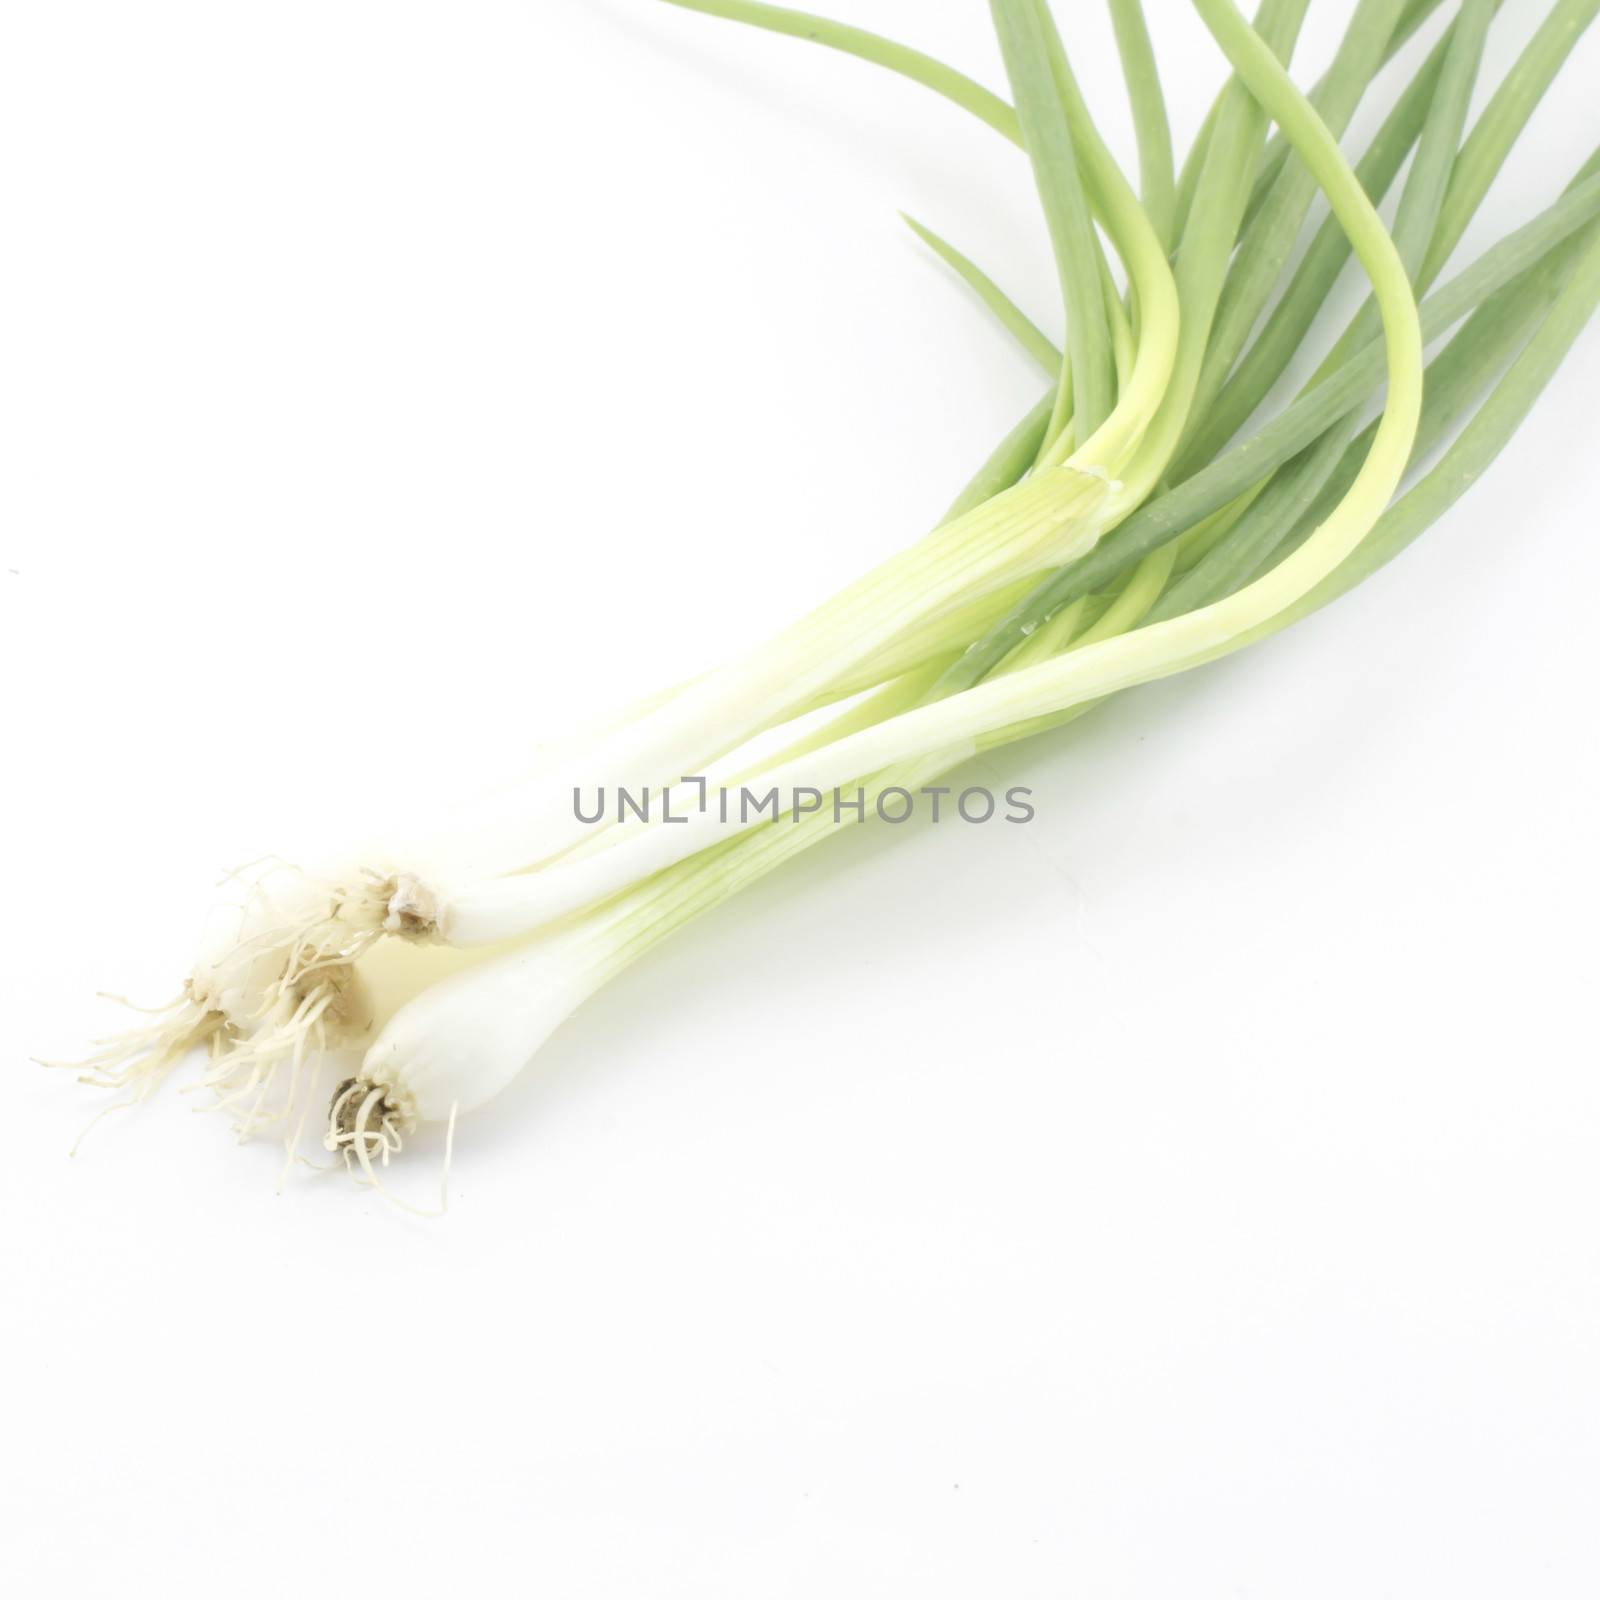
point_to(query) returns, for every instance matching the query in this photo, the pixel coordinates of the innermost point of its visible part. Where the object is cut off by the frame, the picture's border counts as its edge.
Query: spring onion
(1134, 524)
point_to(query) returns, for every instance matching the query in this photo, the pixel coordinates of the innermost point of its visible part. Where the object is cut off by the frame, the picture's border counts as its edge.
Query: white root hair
(269, 1079)
(139, 1060)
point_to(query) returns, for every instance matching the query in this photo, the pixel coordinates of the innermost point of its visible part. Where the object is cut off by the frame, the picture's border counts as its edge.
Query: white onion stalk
(462, 1040)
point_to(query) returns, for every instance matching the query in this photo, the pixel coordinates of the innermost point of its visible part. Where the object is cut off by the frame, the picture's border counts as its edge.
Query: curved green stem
(954, 86)
(1263, 452)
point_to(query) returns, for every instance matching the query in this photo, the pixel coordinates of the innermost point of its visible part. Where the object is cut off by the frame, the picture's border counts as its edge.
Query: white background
(1196, 1193)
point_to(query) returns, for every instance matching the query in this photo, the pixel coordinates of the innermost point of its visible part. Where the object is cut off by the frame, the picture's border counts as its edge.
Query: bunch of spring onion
(1145, 517)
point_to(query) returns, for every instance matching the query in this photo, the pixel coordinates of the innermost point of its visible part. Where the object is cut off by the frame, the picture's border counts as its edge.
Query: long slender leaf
(1152, 130)
(1048, 141)
(1005, 310)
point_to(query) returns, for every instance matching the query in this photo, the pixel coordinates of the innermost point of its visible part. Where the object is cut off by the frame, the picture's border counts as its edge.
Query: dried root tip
(412, 910)
(368, 1119)
(364, 1123)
